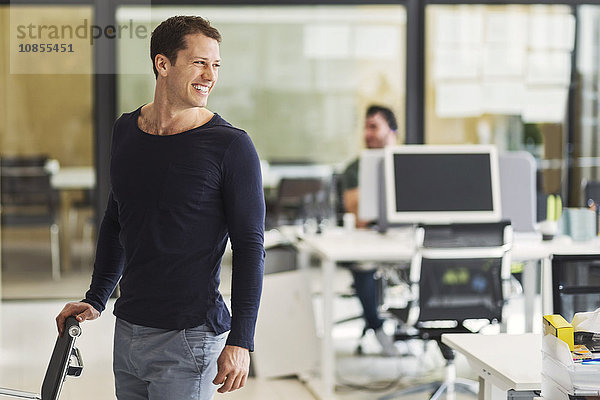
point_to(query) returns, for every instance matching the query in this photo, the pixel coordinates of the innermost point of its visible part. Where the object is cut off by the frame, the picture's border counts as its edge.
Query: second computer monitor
(441, 184)
(370, 177)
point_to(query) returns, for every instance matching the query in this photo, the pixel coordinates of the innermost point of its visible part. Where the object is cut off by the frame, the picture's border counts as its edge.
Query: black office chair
(591, 197)
(28, 199)
(296, 195)
(337, 193)
(65, 361)
(591, 190)
(575, 284)
(458, 274)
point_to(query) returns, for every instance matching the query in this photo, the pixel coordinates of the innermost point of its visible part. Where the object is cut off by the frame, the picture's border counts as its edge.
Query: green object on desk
(553, 207)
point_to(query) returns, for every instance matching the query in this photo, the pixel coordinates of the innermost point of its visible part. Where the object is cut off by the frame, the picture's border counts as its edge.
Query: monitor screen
(442, 184)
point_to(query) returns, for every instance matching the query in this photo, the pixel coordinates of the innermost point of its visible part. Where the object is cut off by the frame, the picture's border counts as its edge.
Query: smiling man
(183, 182)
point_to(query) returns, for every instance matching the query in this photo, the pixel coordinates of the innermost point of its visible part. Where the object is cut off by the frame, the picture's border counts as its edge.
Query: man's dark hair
(386, 113)
(169, 37)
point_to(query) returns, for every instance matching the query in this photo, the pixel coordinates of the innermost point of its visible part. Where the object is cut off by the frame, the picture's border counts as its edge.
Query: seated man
(379, 132)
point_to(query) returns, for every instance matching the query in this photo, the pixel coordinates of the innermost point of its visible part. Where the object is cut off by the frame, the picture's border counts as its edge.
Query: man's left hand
(233, 366)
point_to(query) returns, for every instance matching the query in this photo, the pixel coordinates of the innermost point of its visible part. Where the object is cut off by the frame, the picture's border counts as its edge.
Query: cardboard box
(557, 326)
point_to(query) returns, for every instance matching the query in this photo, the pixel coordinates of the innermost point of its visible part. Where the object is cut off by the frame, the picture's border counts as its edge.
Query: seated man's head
(380, 127)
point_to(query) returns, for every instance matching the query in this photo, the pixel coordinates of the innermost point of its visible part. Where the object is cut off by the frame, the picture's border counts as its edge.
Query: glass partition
(46, 145)
(500, 74)
(586, 152)
(298, 79)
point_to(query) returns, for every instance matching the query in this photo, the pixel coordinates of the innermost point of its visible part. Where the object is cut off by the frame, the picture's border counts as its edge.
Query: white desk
(528, 250)
(338, 245)
(68, 180)
(74, 178)
(362, 245)
(502, 361)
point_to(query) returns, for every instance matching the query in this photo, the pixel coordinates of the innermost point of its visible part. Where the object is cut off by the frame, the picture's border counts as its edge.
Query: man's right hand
(80, 310)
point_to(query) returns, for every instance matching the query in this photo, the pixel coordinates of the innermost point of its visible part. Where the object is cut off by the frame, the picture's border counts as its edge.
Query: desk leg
(303, 259)
(327, 349)
(65, 230)
(487, 391)
(529, 287)
(484, 389)
(547, 307)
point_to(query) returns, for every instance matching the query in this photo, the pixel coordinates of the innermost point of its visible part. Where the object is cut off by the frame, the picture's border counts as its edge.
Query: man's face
(377, 132)
(194, 74)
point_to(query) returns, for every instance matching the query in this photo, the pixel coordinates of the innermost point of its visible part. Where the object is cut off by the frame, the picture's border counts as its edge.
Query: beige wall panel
(47, 113)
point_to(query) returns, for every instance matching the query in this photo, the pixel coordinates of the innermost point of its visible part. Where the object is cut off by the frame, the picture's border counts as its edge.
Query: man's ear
(393, 137)
(162, 64)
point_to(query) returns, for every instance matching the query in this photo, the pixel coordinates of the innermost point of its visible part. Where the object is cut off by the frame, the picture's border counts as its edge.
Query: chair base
(439, 388)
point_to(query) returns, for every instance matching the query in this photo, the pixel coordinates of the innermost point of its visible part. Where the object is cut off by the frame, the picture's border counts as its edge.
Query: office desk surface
(340, 245)
(74, 178)
(526, 248)
(508, 361)
(362, 245)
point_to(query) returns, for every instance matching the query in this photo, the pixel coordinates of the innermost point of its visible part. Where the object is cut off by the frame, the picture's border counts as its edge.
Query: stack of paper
(564, 378)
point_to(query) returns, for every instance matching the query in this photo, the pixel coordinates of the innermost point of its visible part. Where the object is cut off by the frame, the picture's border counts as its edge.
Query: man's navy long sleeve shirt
(175, 201)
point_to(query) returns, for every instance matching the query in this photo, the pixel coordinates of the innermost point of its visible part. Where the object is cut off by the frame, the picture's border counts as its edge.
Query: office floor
(27, 334)
(26, 271)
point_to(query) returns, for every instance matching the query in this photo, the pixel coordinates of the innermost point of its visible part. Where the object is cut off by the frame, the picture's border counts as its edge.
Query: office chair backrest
(65, 361)
(458, 289)
(337, 187)
(591, 191)
(591, 197)
(459, 271)
(37, 160)
(292, 194)
(493, 234)
(58, 367)
(575, 284)
(294, 189)
(26, 194)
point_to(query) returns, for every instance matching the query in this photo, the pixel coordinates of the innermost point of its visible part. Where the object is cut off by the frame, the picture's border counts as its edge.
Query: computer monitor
(442, 184)
(370, 174)
(518, 188)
